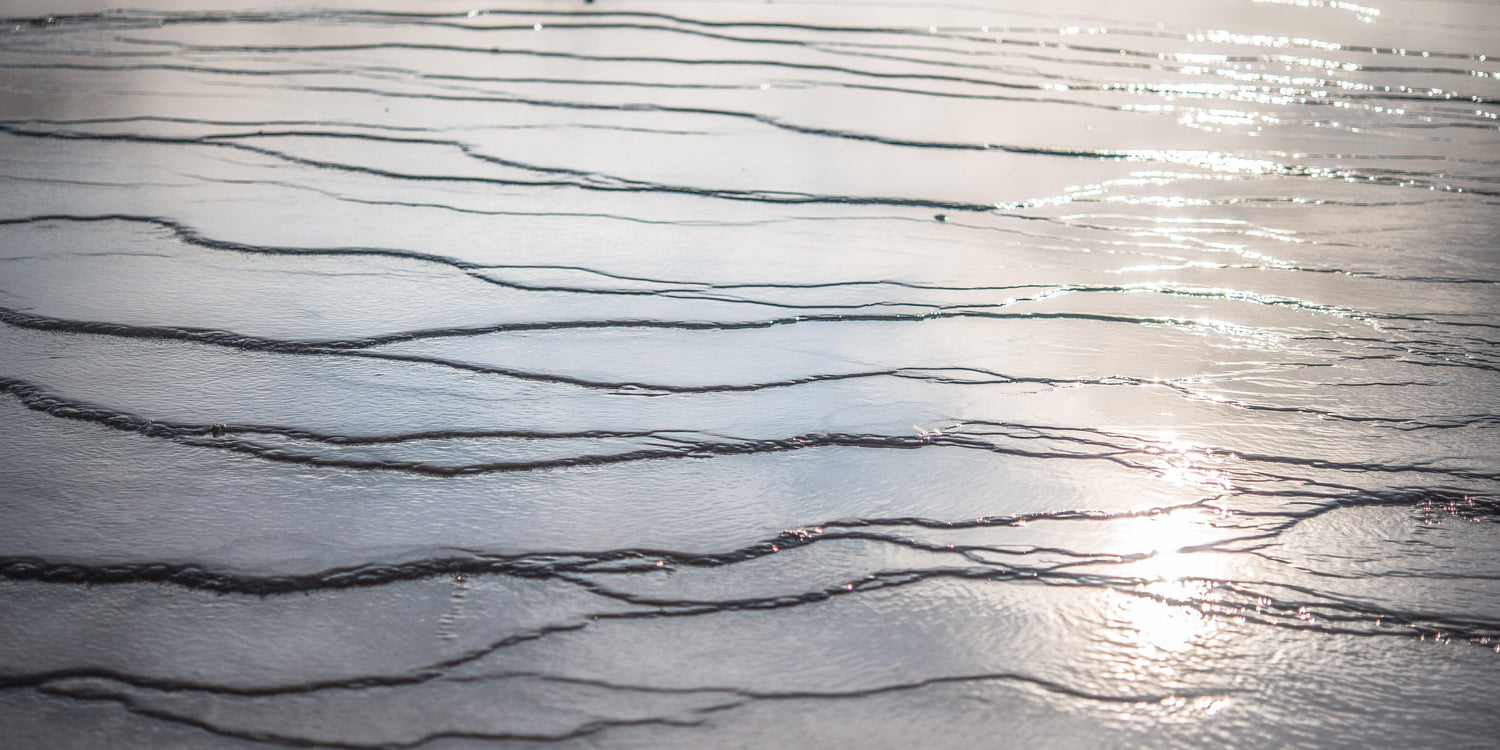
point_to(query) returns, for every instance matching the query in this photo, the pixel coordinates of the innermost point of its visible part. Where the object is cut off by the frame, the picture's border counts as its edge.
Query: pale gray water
(747, 374)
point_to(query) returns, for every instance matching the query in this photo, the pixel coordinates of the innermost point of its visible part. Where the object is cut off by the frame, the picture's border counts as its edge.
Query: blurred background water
(749, 374)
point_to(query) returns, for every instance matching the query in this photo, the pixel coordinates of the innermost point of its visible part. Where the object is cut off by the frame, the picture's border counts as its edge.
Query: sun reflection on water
(1184, 463)
(1154, 620)
(1160, 624)
(1157, 628)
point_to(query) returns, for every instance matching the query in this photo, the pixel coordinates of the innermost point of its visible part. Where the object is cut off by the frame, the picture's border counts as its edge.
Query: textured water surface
(748, 374)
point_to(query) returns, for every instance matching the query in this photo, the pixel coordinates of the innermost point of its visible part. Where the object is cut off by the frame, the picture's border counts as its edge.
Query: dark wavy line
(581, 180)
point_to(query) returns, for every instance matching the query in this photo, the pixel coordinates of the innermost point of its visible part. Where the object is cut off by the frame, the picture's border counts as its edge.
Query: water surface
(749, 374)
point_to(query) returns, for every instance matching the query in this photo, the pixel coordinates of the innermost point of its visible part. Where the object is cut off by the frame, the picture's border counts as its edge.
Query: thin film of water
(749, 374)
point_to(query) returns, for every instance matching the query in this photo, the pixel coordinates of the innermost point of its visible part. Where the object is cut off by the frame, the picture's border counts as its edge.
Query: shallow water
(746, 374)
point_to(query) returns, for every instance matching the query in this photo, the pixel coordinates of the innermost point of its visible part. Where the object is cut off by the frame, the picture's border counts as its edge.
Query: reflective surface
(750, 374)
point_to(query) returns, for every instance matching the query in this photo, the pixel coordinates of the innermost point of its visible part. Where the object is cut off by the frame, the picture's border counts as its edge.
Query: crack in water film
(747, 374)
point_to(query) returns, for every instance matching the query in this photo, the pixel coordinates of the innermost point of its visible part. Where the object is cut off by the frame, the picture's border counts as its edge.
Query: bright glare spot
(1365, 13)
(1156, 625)
(1164, 537)
(1183, 463)
(1207, 704)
